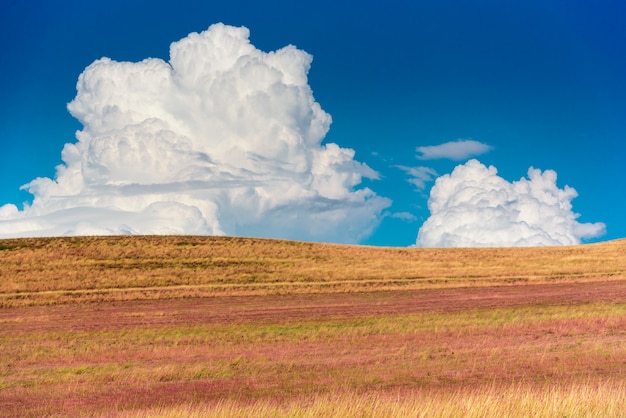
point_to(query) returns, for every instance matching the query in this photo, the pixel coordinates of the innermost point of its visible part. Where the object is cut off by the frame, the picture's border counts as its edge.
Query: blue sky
(540, 83)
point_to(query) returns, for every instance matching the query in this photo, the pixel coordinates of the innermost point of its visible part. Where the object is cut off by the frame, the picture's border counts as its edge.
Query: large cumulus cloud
(474, 207)
(222, 139)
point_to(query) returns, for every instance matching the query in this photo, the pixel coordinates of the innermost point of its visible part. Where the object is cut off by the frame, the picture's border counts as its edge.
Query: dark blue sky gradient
(542, 82)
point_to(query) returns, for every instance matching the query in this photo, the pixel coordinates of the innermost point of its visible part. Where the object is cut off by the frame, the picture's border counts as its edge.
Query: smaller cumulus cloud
(454, 150)
(474, 207)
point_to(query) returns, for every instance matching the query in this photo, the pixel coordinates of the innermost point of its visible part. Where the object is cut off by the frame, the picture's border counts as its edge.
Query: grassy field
(219, 326)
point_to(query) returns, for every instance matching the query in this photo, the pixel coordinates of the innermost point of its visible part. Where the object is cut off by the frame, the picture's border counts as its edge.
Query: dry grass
(197, 326)
(79, 269)
(601, 400)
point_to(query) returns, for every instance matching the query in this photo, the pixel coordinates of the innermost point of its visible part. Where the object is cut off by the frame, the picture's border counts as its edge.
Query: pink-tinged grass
(555, 343)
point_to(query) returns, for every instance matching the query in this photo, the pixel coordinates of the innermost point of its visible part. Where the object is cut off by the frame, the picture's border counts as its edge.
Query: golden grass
(93, 269)
(601, 400)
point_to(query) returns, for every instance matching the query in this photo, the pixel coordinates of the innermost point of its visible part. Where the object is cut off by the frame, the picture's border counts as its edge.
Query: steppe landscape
(218, 326)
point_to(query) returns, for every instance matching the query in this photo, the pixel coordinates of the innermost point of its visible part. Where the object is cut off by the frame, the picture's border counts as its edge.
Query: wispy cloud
(222, 139)
(418, 176)
(404, 216)
(474, 207)
(454, 150)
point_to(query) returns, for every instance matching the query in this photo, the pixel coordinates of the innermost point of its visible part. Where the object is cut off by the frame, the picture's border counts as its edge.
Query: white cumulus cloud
(474, 207)
(454, 150)
(221, 139)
